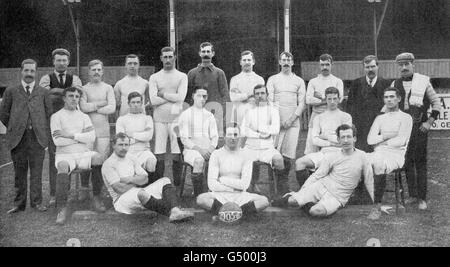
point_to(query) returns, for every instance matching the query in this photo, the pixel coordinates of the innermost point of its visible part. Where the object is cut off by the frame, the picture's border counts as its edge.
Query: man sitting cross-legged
(122, 174)
(330, 187)
(389, 134)
(229, 176)
(72, 133)
(198, 132)
(323, 135)
(139, 127)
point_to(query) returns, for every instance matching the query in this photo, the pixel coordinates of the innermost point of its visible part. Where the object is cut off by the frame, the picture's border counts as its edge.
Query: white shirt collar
(24, 84)
(374, 81)
(57, 73)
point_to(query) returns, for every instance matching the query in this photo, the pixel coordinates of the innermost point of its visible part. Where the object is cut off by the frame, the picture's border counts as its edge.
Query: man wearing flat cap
(417, 96)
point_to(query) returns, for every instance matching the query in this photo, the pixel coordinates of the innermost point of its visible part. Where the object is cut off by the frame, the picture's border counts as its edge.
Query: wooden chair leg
(396, 189)
(402, 190)
(182, 179)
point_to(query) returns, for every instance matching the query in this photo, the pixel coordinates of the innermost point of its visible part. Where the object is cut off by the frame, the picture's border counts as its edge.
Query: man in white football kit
(390, 133)
(241, 86)
(323, 135)
(139, 127)
(73, 134)
(167, 89)
(123, 175)
(287, 93)
(229, 177)
(330, 187)
(95, 92)
(260, 126)
(132, 82)
(198, 132)
(315, 95)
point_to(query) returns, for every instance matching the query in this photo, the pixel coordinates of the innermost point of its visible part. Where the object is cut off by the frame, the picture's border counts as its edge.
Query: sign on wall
(443, 121)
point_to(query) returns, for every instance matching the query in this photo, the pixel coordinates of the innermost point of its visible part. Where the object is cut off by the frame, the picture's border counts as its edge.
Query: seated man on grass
(330, 187)
(123, 174)
(229, 177)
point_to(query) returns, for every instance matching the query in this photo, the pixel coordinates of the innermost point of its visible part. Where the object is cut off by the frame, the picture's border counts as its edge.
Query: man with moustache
(315, 95)
(167, 89)
(330, 187)
(25, 111)
(56, 82)
(417, 96)
(287, 93)
(95, 92)
(229, 177)
(365, 100)
(241, 86)
(132, 82)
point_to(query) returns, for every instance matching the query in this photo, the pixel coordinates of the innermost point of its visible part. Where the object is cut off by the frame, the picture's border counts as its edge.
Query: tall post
(77, 36)
(287, 27)
(375, 34)
(172, 23)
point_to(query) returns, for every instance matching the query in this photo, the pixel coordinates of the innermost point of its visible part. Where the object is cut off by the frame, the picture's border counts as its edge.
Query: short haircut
(133, 95)
(167, 49)
(232, 125)
(332, 90)
(397, 92)
(120, 136)
(247, 52)
(198, 87)
(326, 57)
(95, 62)
(287, 54)
(369, 59)
(60, 51)
(204, 44)
(73, 89)
(259, 86)
(28, 61)
(344, 127)
(131, 56)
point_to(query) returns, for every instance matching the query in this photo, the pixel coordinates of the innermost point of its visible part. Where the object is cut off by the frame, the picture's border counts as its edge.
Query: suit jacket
(364, 104)
(16, 108)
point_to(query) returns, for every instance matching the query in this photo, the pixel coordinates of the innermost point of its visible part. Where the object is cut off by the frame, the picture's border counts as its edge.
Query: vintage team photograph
(224, 123)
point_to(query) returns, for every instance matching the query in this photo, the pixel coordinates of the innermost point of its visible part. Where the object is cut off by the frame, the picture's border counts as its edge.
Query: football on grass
(230, 212)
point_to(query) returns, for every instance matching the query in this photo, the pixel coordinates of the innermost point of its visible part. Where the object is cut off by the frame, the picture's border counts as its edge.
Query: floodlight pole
(76, 29)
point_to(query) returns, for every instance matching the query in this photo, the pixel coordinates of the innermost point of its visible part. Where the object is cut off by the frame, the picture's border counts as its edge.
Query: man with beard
(330, 187)
(123, 176)
(241, 86)
(198, 132)
(315, 95)
(261, 124)
(229, 177)
(56, 82)
(25, 111)
(417, 96)
(167, 89)
(96, 91)
(287, 93)
(139, 127)
(365, 100)
(132, 82)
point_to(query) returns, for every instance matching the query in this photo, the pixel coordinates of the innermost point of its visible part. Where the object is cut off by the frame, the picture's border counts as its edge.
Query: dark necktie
(61, 81)
(28, 89)
(29, 124)
(370, 83)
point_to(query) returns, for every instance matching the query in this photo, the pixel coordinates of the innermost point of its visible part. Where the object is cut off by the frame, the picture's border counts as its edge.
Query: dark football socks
(216, 207)
(301, 177)
(249, 208)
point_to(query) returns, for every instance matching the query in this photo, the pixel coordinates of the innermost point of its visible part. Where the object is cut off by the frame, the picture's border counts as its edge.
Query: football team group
(383, 128)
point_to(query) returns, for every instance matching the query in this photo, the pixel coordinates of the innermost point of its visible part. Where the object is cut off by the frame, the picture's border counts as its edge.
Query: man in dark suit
(56, 82)
(365, 100)
(25, 111)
